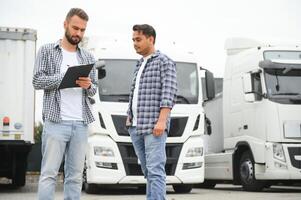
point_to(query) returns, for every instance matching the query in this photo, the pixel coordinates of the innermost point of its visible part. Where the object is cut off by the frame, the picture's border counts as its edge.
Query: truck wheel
(247, 173)
(207, 184)
(89, 188)
(19, 172)
(182, 188)
(19, 179)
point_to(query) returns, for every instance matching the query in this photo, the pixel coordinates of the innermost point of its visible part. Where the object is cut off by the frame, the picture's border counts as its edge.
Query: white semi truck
(256, 122)
(110, 159)
(17, 55)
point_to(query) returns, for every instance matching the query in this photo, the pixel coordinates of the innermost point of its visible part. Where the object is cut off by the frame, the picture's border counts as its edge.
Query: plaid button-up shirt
(157, 89)
(47, 77)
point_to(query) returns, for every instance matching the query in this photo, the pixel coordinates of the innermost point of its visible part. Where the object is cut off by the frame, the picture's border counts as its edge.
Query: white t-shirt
(71, 98)
(135, 94)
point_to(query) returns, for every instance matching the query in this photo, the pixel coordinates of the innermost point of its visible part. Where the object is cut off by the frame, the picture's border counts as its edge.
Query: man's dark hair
(146, 30)
(78, 12)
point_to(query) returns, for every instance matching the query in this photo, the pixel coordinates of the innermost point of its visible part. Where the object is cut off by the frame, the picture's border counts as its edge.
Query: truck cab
(110, 158)
(258, 124)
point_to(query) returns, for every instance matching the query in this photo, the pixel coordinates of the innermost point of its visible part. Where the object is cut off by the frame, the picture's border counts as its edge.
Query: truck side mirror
(210, 85)
(99, 65)
(247, 88)
(208, 128)
(101, 73)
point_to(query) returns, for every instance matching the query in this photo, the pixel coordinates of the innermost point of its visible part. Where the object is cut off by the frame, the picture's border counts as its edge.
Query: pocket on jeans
(130, 129)
(46, 127)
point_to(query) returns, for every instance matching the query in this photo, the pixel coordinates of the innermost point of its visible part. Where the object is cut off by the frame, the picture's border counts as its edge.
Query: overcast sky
(200, 26)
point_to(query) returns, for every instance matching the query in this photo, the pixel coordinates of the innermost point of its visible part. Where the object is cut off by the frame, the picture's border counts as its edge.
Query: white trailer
(256, 122)
(110, 159)
(17, 55)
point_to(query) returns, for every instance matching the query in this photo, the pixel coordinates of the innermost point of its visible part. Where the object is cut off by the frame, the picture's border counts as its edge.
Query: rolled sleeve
(41, 79)
(169, 84)
(92, 90)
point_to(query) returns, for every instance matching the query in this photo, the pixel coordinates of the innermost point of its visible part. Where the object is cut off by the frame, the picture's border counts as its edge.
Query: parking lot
(221, 191)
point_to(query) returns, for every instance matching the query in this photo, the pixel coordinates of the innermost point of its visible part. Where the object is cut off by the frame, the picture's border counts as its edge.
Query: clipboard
(73, 73)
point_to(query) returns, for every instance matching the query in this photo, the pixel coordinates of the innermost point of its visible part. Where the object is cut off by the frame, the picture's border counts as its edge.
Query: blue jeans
(67, 138)
(150, 151)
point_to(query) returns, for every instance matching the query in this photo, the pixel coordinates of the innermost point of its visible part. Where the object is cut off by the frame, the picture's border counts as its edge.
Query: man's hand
(84, 82)
(159, 128)
(128, 122)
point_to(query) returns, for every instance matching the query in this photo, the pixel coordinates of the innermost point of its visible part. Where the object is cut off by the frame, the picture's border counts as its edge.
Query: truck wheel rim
(246, 171)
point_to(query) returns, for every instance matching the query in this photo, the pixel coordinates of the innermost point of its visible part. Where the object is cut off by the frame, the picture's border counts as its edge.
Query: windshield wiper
(292, 96)
(116, 94)
(123, 97)
(182, 98)
(286, 93)
(296, 98)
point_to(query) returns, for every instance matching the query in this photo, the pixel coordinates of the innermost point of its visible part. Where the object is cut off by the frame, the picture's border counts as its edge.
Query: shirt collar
(155, 54)
(147, 57)
(58, 45)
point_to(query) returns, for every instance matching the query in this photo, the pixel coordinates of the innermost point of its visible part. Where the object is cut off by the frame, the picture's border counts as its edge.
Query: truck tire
(19, 179)
(89, 188)
(207, 184)
(19, 172)
(247, 173)
(182, 188)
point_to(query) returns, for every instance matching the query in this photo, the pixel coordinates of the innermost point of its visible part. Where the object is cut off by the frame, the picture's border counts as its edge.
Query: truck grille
(295, 151)
(177, 125)
(119, 123)
(130, 160)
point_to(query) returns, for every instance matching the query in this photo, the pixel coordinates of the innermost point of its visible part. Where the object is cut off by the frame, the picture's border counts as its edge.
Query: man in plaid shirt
(152, 97)
(66, 112)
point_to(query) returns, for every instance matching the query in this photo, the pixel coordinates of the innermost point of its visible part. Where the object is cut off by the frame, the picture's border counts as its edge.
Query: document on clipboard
(73, 73)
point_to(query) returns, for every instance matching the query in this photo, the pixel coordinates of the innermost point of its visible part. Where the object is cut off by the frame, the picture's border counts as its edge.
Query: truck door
(253, 113)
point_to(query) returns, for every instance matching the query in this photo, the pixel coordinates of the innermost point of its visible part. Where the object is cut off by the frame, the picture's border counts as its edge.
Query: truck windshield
(283, 85)
(115, 86)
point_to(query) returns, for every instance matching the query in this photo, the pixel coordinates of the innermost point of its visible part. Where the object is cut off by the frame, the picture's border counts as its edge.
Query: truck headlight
(192, 165)
(278, 152)
(194, 152)
(106, 165)
(103, 151)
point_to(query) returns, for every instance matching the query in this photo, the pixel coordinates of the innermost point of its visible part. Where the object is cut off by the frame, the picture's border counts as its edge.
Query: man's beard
(72, 40)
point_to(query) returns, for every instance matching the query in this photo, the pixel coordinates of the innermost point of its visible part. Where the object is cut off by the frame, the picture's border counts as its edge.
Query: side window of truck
(256, 85)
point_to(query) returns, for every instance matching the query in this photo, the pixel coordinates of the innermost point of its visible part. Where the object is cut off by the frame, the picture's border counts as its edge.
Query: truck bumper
(185, 169)
(274, 169)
